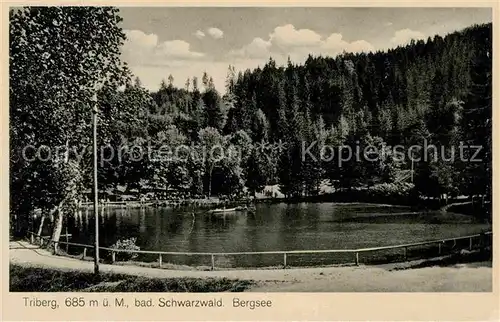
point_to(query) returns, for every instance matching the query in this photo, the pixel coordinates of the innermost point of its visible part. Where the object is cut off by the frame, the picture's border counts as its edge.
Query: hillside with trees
(437, 90)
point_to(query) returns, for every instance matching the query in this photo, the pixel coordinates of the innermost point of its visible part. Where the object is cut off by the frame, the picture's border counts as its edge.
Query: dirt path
(470, 278)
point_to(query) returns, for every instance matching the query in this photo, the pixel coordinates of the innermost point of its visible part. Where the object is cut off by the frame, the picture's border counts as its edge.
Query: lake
(303, 226)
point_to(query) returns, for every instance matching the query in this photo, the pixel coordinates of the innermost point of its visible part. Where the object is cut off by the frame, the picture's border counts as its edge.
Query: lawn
(34, 279)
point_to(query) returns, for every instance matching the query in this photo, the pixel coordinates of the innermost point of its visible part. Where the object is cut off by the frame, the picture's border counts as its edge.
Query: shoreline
(455, 206)
(169, 204)
(325, 198)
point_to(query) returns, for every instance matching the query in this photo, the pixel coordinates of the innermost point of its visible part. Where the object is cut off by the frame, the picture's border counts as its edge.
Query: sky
(187, 41)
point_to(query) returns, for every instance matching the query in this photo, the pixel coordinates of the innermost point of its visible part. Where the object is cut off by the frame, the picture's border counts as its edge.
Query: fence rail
(212, 255)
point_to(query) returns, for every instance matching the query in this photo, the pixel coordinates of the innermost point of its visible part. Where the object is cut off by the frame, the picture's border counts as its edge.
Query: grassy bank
(35, 279)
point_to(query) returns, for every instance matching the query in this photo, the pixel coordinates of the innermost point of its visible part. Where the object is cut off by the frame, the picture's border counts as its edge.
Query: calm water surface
(272, 227)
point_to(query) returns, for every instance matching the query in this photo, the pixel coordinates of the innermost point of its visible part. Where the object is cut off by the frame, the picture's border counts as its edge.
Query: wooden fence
(354, 252)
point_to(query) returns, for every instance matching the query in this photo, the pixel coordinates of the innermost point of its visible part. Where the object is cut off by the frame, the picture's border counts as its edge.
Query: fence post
(32, 238)
(284, 260)
(405, 253)
(113, 256)
(439, 245)
(84, 252)
(160, 260)
(213, 261)
(470, 243)
(357, 258)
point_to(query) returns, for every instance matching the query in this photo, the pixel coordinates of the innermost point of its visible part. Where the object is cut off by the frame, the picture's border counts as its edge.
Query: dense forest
(435, 92)
(438, 90)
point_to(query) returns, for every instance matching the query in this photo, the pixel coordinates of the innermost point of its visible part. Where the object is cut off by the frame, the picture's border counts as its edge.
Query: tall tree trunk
(40, 228)
(58, 225)
(45, 214)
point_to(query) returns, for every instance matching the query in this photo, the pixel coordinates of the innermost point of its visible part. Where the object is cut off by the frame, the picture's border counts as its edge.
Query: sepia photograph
(249, 149)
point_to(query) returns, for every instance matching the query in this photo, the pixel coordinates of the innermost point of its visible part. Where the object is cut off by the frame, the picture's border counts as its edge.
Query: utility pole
(96, 203)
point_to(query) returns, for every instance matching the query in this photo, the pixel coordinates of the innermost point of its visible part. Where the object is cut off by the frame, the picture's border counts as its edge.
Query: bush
(127, 244)
(398, 193)
(390, 190)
